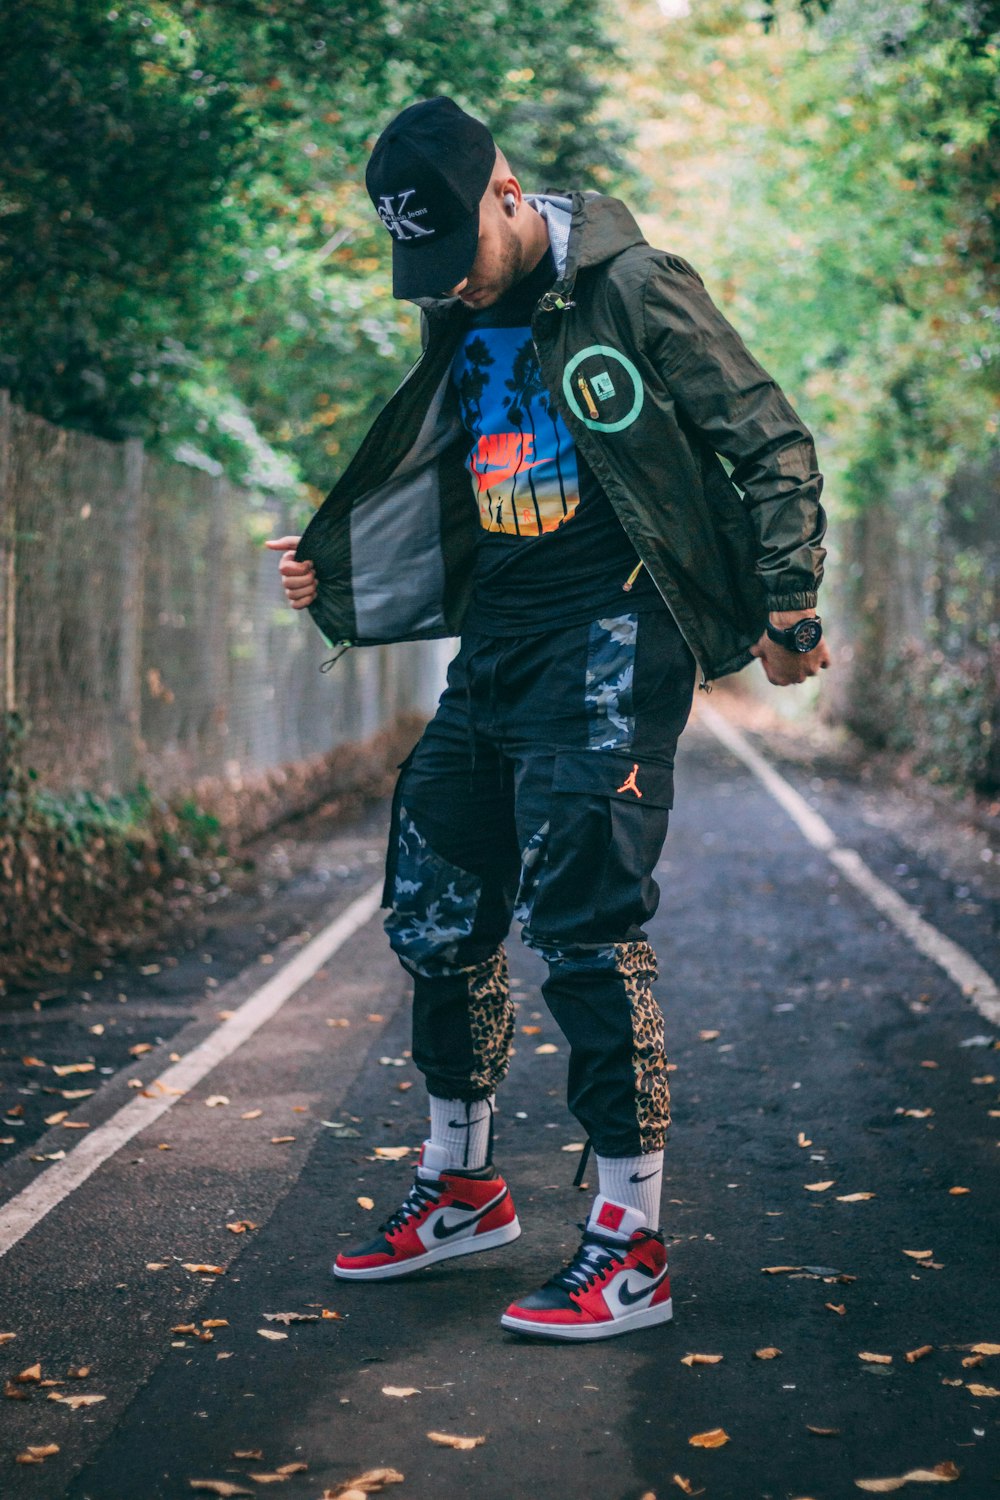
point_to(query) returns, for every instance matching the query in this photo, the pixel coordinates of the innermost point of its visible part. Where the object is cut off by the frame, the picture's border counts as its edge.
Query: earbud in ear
(510, 203)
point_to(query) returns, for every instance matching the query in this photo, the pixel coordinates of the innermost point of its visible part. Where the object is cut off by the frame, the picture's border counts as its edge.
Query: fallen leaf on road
(207, 1270)
(156, 1265)
(270, 1333)
(37, 1453)
(368, 1483)
(75, 1401)
(701, 1359)
(946, 1381)
(976, 1348)
(279, 1475)
(368, 1203)
(326, 1313)
(912, 1355)
(919, 1254)
(801, 1139)
(255, 1453)
(240, 1226)
(823, 1431)
(393, 1153)
(767, 1353)
(400, 1390)
(774, 1270)
(281, 1140)
(986, 1078)
(713, 1438)
(214, 1100)
(184, 1328)
(545, 1049)
(914, 1114)
(50, 1156)
(339, 1021)
(685, 1485)
(837, 1307)
(818, 1187)
(573, 1146)
(983, 1390)
(854, 1197)
(218, 1487)
(215, 1322)
(140, 1048)
(33, 1062)
(876, 1359)
(5, 1338)
(972, 1362)
(61, 1070)
(14, 1392)
(252, 1114)
(57, 1118)
(708, 1036)
(75, 1125)
(15, 1112)
(447, 1440)
(938, 1475)
(956, 1190)
(32, 1373)
(292, 1317)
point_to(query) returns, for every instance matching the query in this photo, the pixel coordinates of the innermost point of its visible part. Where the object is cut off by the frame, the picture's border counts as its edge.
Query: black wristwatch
(805, 635)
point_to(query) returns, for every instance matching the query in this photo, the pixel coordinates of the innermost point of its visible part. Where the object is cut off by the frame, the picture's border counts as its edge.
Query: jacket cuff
(778, 602)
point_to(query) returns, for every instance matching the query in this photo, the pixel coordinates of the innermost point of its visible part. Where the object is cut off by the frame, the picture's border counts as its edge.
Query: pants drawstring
(578, 1179)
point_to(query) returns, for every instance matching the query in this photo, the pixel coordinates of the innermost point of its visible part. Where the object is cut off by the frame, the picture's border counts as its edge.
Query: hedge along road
(813, 1043)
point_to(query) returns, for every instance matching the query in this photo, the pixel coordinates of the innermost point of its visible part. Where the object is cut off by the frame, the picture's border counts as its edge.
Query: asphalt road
(811, 1043)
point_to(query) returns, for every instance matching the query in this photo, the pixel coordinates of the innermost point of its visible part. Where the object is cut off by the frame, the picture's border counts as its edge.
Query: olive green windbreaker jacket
(653, 384)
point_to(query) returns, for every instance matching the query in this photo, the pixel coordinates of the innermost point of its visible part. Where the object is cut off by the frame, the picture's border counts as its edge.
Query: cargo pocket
(433, 906)
(608, 817)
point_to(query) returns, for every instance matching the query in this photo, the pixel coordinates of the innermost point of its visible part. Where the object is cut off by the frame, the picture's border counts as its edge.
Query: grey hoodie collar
(557, 212)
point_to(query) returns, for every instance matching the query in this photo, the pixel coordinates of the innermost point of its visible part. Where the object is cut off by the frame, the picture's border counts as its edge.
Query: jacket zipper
(554, 301)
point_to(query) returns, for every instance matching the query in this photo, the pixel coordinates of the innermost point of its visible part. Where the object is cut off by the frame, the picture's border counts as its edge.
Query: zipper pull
(627, 585)
(342, 647)
(555, 302)
(584, 390)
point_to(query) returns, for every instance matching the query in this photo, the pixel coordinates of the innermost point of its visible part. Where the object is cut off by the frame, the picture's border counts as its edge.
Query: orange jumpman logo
(629, 783)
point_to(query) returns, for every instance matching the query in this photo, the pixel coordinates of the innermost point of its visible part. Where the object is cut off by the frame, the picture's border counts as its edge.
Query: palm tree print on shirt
(518, 435)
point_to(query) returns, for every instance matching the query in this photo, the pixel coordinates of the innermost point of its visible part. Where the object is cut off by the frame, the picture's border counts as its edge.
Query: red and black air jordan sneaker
(616, 1282)
(445, 1213)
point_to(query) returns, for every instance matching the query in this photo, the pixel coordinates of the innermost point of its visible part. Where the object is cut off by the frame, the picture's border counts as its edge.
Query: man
(546, 482)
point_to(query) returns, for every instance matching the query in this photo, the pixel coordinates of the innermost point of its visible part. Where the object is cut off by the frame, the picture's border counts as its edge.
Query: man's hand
(298, 578)
(782, 667)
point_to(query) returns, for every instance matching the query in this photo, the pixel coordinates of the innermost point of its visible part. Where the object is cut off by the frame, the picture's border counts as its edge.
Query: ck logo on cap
(398, 219)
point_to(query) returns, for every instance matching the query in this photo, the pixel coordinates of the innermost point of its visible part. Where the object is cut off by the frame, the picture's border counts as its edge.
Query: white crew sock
(460, 1130)
(633, 1182)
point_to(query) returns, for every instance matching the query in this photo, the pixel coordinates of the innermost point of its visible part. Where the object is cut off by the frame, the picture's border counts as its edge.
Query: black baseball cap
(429, 169)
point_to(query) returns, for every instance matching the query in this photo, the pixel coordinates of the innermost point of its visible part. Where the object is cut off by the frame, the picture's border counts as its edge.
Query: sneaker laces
(595, 1255)
(424, 1192)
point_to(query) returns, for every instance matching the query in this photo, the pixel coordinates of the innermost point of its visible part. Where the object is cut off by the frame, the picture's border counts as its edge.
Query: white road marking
(50, 1187)
(961, 967)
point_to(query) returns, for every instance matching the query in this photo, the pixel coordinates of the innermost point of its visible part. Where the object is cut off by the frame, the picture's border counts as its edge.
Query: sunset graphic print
(521, 458)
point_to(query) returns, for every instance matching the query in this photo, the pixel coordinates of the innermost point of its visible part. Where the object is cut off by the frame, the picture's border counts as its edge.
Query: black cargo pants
(541, 790)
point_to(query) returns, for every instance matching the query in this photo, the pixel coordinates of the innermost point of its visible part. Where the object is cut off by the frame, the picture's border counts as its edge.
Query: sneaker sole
(627, 1323)
(491, 1240)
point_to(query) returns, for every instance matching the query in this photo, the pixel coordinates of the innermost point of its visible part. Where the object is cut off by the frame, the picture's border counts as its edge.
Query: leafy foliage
(187, 251)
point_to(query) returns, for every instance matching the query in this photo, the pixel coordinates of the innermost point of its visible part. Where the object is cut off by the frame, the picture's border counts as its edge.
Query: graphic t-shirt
(551, 550)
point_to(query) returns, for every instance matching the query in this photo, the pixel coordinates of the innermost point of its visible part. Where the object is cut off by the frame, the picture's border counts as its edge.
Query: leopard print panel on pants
(491, 1022)
(636, 963)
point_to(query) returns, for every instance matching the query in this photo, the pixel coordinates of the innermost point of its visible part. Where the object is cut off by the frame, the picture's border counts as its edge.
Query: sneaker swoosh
(628, 1296)
(443, 1231)
(636, 1178)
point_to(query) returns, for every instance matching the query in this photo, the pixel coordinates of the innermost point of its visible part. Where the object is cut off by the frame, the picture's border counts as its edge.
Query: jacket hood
(585, 229)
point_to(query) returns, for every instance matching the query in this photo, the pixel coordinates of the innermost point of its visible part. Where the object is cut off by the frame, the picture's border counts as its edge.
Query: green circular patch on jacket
(603, 388)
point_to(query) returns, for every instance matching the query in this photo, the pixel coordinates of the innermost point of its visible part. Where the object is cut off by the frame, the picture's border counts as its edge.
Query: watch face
(808, 634)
